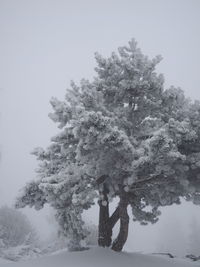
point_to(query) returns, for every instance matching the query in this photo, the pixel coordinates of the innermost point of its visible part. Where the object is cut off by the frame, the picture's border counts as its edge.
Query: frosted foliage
(15, 228)
(122, 126)
(31, 196)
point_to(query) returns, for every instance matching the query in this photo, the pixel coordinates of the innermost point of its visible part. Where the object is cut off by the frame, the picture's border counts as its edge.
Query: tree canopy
(121, 135)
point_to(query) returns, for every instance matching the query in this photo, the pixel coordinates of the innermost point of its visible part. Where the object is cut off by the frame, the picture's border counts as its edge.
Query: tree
(15, 229)
(122, 135)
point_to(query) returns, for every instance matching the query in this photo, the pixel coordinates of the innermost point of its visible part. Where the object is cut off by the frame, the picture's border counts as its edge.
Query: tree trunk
(105, 233)
(124, 222)
(106, 223)
(114, 218)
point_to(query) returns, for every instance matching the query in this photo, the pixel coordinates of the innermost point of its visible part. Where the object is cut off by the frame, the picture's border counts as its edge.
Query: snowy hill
(3, 261)
(98, 257)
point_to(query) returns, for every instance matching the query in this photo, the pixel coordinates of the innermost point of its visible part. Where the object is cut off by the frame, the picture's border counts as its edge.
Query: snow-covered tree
(15, 229)
(121, 135)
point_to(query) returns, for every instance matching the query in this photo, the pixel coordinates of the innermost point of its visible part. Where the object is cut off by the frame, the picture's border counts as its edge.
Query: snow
(3, 261)
(148, 118)
(104, 203)
(98, 257)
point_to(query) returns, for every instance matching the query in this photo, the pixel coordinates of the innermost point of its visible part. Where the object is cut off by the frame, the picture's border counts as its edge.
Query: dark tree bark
(114, 218)
(105, 237)
(106, 223)
(124, 223)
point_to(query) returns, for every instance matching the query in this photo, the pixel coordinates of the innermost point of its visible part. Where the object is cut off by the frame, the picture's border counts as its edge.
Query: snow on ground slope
(3, 261)
(98, 257)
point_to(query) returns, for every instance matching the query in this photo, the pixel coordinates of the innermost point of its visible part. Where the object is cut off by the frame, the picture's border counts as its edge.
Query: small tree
(15, 229)
(122, 136)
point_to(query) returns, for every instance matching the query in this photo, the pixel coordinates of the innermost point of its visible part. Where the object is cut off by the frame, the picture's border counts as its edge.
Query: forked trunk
(106, 222)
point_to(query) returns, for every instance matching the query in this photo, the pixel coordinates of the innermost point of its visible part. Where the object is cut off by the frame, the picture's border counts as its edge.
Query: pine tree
(122, 135)
(15, 229)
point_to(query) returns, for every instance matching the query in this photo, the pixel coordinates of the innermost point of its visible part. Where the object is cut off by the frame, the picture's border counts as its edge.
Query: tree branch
(114, 218)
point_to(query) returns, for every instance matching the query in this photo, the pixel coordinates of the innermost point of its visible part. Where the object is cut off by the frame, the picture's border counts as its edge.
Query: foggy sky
(44, 44)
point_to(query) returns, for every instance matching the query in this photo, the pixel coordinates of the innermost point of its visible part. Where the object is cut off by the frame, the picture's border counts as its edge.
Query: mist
(45, 44)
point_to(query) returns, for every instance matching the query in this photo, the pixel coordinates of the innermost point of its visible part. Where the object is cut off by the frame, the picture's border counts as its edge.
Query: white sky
(44, 44)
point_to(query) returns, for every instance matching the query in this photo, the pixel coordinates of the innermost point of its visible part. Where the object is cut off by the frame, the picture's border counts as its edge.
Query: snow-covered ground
(98, 257)
(3, 261)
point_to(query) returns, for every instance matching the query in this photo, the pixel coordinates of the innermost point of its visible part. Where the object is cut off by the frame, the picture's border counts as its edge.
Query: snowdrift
(98, 257)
